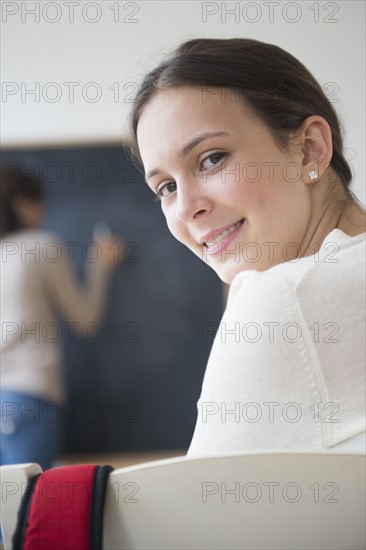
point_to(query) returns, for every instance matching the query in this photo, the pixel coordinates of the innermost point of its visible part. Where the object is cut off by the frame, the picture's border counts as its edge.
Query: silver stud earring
(313, 175)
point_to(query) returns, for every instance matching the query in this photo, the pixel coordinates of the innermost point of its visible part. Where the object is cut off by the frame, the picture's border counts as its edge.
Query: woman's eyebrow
(188, 148)
(192, 144)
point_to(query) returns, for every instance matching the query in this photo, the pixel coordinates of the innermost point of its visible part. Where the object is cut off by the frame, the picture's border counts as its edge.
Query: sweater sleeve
(263, 387)
(81, 303)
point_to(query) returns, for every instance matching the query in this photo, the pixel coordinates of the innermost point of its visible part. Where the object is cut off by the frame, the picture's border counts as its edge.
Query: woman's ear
(316, 147)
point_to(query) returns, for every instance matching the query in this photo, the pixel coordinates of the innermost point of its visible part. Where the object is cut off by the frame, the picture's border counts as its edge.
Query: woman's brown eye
(216, 157)
(212, 160)
(168, 186)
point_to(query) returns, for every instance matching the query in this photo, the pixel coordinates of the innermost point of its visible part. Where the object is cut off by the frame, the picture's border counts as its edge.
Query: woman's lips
(216, 248)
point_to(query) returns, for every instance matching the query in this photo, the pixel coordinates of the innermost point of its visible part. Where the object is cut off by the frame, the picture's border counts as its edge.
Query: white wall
(127, 38)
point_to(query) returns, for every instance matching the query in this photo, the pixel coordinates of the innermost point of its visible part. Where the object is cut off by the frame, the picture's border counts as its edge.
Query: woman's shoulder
(31, 235)
(343, 240)
(24, 238)
(340, 260)
(29, 246)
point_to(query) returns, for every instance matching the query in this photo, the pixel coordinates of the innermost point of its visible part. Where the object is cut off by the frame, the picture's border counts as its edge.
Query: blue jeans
(30, 430)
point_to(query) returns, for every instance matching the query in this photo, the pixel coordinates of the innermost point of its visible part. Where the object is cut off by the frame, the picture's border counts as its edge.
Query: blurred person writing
(36, 282)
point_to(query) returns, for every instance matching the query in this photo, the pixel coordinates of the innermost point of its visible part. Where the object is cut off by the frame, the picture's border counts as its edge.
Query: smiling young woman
(245, 152)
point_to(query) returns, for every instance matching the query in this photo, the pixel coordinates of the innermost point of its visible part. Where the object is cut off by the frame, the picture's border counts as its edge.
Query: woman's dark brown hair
(277, 86)
(15, 183)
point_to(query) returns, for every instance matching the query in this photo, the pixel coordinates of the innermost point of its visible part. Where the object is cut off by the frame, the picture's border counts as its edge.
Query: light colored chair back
(257, 500)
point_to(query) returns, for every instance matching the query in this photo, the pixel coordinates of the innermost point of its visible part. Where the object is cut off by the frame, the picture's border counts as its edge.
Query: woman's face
(227, 190)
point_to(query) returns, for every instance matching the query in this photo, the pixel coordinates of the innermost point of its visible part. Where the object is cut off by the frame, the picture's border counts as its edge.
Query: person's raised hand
(111, 249)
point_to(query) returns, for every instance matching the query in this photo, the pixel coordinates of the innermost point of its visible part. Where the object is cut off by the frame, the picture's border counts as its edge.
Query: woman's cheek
(177, 229)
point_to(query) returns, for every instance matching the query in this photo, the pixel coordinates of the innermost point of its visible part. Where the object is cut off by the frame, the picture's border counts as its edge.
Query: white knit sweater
(287, 366)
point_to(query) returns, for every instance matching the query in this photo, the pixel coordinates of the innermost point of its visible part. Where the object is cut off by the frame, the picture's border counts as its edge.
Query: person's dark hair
(278, 87)
(15, 183)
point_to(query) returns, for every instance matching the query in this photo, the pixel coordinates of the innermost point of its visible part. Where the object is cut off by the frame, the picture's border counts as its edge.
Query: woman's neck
(352, 220)
(345, 215)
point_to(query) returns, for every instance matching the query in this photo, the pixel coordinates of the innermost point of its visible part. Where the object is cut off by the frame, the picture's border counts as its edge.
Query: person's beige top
(287, 366)
(37, 281)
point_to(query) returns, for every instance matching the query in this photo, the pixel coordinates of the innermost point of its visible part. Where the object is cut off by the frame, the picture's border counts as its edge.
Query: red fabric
(59, 516)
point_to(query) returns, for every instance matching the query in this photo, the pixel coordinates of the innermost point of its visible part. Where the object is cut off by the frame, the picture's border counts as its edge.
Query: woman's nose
(192, 200)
